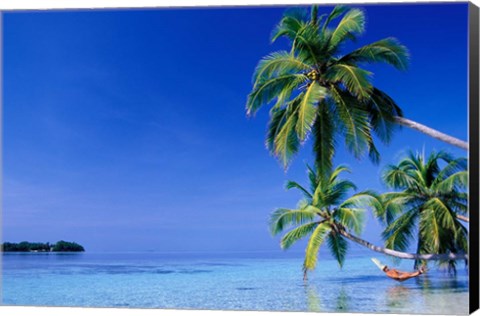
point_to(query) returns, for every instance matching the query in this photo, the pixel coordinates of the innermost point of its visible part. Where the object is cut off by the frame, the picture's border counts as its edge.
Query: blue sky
(126, 130)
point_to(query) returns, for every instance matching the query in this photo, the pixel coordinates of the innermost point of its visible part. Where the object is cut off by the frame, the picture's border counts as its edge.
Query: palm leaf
(336, 12)
(388, 50)
(283, 218)
(363, 200)
(307, 110)
(383, 111)
(356, 80)
(313, 178)
(316, 240)
(353, 22)
(431, 230)
(354, 121)
(323, 139)
(286, 142)
(293, 20)
(352, 218)
(337, 191)
(444, 215)
(278, 117)
(265, 91)
(373, 152)
(293, 184)
(454, 166)
(393, 204)
(337, 171)
(400, 233)
(278, 64)
(397, 178)
(338, 247)
(296, 234)
(314, 18)
(308, 45)
(455, 182)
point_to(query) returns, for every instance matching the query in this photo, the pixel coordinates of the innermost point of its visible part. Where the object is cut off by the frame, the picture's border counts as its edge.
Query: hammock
(395, 274)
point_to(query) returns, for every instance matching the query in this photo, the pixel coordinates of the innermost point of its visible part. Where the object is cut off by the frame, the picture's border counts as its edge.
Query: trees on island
(25, 246)
(317, 91)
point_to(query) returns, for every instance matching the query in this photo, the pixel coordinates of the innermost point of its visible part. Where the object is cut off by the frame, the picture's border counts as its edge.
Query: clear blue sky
(126, 130)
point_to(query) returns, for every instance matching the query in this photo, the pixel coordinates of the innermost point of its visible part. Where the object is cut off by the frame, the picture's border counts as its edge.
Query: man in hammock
(396, 274)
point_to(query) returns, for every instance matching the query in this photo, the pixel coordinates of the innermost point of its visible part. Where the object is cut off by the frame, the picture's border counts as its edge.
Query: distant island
(25, 246)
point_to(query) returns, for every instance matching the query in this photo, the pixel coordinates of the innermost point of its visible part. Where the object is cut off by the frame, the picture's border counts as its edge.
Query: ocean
(229, 281)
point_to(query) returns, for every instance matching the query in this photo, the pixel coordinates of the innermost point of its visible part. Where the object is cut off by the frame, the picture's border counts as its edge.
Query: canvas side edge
(473, 97)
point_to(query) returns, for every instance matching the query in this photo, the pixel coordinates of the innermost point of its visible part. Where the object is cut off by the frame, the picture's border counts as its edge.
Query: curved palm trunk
(432, 132)
(403, 255)
(463, 218)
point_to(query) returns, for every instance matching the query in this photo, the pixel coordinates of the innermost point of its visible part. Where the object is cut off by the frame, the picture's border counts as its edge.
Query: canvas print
(308, 158)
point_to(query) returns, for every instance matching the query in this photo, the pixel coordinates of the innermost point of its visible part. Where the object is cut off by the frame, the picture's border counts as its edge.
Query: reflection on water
(398, 296)
(340, 298)
(429, 292)
(313, 300)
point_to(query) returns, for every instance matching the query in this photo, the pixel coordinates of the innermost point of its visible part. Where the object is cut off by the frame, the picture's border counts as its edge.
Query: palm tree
(323, 213)
(319, 91)
(327, 213)
(430, 203)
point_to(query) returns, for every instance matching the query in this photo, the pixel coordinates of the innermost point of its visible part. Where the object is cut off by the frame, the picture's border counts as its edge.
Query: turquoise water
(224, 281)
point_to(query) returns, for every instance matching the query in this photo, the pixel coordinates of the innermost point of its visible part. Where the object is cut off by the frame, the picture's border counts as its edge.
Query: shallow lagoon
(235, 281)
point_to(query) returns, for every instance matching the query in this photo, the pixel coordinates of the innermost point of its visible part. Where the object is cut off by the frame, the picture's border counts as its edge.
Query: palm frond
(265, 91)
(293, 184)
(292, 22)
(283, 218)
(278, 64)
(278, 117)
(323, 139)
(286, 142)
(307, 110)
(397, 178)
(313, 178)
(308, 45)
(382, 111)
(400, 233)
(388, 50)
(445, 216)
(365, 199)
(337, 171)
(314, 17)
(373, 153)
(431, 230)
(316, 240)
(336, 12)
(337, 191)
(455, 182)
(296, 234)
(356, 80)
(453, 166)
(355, 123)
(352, 218)
(338, 247)
(353, 22)
(393, 204)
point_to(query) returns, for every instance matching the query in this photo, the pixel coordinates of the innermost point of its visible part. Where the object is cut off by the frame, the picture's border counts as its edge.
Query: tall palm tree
(430, 201)
(319, 91)
(323, 213)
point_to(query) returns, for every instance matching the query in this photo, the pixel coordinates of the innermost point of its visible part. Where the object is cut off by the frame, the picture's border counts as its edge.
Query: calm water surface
(228, 281)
